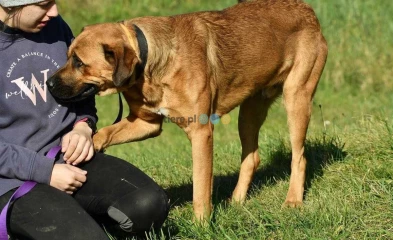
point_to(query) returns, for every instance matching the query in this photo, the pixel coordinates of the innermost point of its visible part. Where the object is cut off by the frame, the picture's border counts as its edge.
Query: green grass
(349, 192)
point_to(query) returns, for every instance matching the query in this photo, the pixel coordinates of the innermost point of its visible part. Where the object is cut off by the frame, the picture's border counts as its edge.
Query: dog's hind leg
(252, 114)
(298, 92)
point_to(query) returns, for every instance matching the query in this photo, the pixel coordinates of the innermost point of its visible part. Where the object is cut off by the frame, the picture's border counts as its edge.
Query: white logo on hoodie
(35, 85)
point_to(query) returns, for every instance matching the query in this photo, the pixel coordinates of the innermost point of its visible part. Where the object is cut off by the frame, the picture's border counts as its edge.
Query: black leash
(120, 113)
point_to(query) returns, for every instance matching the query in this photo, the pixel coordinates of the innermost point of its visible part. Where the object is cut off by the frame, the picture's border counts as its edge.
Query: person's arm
(17, 162)
(21, 163)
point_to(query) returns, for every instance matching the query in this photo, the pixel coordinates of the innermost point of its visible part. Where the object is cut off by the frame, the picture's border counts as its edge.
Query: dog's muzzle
(66, 93)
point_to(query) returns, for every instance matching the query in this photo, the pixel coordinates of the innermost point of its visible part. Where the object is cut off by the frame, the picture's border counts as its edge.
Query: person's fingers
(91, 153)
(79, 174)
(71, 188)
(83, 154)
(76, 170)
(72, 144)
(64, 142)
(80, 177)
(75, 148)
(67, 178)
(77, 184)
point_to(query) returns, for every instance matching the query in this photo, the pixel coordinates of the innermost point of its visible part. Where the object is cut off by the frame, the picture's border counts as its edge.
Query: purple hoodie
(31, 121)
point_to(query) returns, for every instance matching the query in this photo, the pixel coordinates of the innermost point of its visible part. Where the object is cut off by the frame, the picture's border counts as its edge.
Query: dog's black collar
(143, 51)
(140, 67)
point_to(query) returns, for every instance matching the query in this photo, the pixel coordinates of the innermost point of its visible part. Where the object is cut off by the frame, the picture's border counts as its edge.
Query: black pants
(116, 193)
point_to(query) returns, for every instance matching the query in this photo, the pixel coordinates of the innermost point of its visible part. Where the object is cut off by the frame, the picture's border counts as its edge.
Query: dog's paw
(292, 204)
(99, 149)
(98, 143)
(238, 197)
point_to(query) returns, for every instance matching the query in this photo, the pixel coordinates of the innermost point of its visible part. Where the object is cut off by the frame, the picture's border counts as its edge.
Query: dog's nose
(51, 83)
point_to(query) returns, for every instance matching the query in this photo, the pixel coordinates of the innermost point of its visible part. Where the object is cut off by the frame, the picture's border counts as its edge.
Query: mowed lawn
(349, 187)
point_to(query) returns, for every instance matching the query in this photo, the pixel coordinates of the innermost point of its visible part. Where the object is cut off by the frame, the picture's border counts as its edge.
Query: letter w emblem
(34, 85)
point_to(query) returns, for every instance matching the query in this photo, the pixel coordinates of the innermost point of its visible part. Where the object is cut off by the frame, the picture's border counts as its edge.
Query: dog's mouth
(87, 91)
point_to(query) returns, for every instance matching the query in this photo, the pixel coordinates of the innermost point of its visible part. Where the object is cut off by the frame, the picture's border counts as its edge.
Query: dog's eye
(109, 54)
(77, 62)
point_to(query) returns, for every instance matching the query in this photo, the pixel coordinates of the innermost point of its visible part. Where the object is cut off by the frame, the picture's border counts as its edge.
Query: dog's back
(255, 45)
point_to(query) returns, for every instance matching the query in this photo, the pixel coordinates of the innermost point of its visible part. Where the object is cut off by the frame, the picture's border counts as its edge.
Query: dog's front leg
(202, 160)
(128, 129)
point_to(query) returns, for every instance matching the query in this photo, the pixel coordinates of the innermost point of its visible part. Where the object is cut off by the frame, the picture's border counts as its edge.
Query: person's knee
(141, 210)
(56, 216)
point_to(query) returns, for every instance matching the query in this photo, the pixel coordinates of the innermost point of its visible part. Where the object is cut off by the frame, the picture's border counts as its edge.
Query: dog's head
(100, 60)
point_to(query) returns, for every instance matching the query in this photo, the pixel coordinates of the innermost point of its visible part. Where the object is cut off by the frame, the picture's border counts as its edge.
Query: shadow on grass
(319, 152)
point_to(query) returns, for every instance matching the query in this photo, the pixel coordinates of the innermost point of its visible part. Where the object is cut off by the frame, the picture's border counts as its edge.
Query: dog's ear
(123, 60)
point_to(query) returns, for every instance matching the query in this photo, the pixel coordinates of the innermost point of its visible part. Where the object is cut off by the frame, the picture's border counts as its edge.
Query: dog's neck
(142, 46)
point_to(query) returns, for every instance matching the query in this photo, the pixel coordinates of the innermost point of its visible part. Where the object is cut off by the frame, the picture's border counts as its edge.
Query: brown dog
(204, 63)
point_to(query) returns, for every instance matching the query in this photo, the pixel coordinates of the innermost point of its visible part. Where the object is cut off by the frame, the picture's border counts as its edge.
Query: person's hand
(77, 145)
(67, 178)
